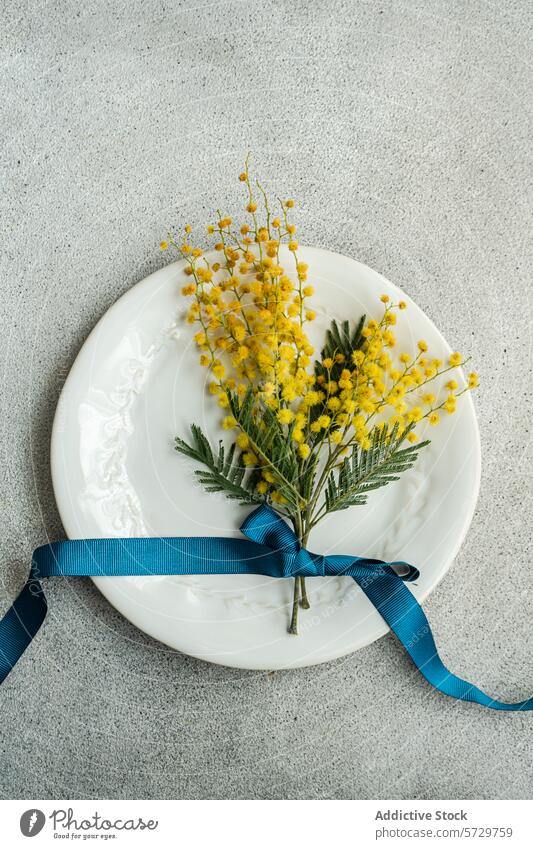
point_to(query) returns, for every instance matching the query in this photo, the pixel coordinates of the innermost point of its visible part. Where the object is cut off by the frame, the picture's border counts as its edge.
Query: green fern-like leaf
(223, 473)
(340, 340)
(366, 470)
(268, 441)
(343, 340)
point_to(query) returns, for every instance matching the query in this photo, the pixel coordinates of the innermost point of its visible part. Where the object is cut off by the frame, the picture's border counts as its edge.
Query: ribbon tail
(20, 624)
(401, 611)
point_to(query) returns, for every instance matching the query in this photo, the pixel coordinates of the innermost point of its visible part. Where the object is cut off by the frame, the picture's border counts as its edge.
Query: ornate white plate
(136, 384)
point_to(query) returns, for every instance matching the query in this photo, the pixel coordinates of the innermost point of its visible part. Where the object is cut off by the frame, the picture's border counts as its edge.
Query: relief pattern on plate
(110, 484)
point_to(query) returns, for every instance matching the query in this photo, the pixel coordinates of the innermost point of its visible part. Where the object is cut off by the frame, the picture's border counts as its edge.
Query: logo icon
(32, 822)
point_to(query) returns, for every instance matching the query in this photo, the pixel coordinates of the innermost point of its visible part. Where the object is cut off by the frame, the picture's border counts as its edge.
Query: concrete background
(404, 129)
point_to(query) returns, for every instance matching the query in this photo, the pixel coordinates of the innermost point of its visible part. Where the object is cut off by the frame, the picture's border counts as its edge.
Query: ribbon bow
(265, 527)
(271, 549)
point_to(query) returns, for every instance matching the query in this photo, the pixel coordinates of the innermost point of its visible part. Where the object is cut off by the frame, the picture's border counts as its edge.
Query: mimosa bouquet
(310, 434)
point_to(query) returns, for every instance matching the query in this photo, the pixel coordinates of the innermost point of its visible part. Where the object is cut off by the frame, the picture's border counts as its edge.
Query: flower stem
(304, 601)
(293, 627)
(299, 598)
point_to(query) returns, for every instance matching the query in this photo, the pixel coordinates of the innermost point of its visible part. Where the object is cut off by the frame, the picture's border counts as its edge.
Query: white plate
(136, 384)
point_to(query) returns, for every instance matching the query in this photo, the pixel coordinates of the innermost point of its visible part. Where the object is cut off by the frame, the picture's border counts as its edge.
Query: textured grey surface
(404, 128)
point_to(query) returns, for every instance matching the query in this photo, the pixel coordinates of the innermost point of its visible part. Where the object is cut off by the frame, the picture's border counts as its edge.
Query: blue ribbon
(271, 549)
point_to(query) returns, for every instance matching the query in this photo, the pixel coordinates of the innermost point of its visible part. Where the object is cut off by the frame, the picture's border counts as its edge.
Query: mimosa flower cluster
(312, 433)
